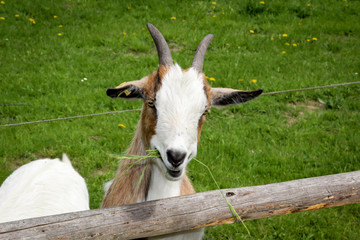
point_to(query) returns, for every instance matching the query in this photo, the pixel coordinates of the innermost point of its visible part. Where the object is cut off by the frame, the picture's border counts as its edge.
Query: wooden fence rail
(192, 211)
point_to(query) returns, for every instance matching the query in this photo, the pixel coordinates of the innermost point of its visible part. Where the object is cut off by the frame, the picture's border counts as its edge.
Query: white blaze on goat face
(180, 103)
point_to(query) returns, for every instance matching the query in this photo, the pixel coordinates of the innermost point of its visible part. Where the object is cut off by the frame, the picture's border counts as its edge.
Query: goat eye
(151, 104)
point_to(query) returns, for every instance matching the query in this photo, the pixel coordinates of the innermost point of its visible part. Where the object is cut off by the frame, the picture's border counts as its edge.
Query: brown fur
(207, 89)
(186, 187)
(123, 189)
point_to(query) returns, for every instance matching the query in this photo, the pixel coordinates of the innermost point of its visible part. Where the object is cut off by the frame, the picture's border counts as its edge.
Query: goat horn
(161, 46)
(198, 61)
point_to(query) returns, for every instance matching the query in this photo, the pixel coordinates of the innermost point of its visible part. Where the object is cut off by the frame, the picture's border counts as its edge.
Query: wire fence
(311, 88)
(133, 110)
(67, 118)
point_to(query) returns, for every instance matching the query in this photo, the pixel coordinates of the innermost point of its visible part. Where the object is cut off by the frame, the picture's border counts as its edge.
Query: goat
(175, 103)
(41, 188)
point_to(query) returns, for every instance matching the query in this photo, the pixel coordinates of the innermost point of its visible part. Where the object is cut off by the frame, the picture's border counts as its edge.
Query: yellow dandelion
(308, 40)
(212, 79)
(183, 20)
(213, 3)
(143, 29)
(252, 31)
(2, 18)
(59, 34)
(2, 2)
(285, 35)
(17, 15)
(121, 125)
(299, 23)
(272, 38)
(214, 16)
(206, 77)
(124, 34)
(295, 45)
(262, 2)
(308, 5)
(283, 52)
(173, 18)
(253, 81)
(287, 44)
(223, 13)
(32, 20)
(55, 16)
(314, 39)
(60, 26)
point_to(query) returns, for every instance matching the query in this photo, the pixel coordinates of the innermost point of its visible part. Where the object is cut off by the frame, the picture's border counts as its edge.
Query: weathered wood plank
(192, 211)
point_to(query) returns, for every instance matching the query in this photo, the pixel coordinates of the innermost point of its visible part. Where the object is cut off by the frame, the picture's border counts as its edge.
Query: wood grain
(192, 211)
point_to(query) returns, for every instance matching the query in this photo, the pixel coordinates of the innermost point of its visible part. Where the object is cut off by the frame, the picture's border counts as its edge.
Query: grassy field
(47, 48)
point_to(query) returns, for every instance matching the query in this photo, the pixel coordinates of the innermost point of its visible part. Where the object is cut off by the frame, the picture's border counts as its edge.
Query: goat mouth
(174, 174)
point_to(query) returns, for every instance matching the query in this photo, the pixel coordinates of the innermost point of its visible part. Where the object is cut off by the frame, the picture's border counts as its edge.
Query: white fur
(180, 102)
(160, 187)
(107, 186)
(43, 187)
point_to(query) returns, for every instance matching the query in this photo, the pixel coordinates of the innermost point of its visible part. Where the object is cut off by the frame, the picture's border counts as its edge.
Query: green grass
(271, 139)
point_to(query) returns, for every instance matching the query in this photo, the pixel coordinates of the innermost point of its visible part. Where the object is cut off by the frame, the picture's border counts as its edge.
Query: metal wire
(311, 88)
(66, 118)
(14, 104)
(132, 110)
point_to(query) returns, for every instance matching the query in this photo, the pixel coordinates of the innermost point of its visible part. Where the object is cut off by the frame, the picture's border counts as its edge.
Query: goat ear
(227, 96)
(128, 90)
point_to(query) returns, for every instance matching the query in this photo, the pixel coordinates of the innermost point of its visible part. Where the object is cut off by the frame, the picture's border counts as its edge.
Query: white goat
(175, 104)
(41, 188)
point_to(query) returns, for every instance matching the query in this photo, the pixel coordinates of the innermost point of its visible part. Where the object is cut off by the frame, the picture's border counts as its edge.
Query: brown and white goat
(175, 104)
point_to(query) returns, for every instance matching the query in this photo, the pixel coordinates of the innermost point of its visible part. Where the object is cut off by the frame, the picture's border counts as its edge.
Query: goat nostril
(176, 158)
